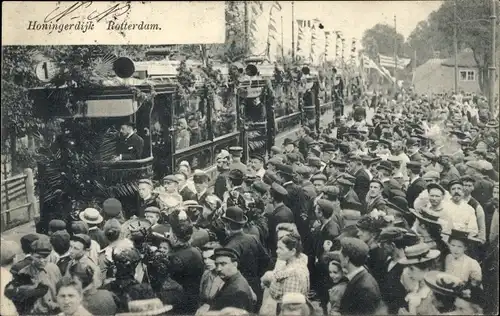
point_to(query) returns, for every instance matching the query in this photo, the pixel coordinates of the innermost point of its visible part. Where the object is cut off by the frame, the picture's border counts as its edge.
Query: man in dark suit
(220, 185)
(280, 214)
(201, 179)
(417, 184)
(296, 199)
(362, 178)
(362, 294)
(131, 145)
(412, 146)
(331, 226)
(236, 292)
(254, 259)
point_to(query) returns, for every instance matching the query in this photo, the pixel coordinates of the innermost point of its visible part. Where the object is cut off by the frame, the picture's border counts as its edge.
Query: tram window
(224, 113)
(190, 122)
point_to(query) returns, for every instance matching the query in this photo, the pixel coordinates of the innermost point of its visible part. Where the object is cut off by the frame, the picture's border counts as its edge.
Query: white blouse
(465, 268)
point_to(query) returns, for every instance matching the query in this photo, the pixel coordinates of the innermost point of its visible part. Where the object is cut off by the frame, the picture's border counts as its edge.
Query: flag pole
(282, 49)
(293, 32)
(395, 54)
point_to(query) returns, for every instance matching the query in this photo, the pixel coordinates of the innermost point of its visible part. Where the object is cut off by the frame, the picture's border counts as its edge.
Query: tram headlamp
(251, 70)
(305, 70)
(124, 67)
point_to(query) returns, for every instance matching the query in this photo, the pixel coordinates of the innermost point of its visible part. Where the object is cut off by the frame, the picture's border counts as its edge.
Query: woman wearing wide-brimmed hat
(429, 229)
(419, 259)
(369, 227)
(459, 264)
(452, 296)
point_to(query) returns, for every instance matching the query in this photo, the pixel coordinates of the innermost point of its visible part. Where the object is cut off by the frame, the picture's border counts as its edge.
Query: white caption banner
(112, 22)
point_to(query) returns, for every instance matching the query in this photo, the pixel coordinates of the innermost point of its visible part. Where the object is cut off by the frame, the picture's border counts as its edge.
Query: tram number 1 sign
(45, 71)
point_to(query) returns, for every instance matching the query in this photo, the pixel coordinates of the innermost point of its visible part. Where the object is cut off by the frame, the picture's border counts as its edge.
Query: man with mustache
(462, 214)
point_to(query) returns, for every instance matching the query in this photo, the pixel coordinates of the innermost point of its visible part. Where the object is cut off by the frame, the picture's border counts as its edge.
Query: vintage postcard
(249, 157)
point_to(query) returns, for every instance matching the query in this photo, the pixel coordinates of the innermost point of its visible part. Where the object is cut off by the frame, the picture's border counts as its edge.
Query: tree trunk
(13, 150)
(484, 80)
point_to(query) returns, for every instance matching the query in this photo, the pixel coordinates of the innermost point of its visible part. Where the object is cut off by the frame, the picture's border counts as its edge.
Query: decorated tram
(184, 111)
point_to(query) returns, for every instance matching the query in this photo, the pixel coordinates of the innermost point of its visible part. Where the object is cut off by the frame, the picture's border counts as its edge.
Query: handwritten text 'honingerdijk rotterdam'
(62, 18)
(90, 26)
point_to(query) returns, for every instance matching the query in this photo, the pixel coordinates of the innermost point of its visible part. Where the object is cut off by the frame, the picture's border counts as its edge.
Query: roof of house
(465, 60)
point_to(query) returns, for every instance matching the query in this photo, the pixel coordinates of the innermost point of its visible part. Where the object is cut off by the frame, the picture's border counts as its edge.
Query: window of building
(467, 75)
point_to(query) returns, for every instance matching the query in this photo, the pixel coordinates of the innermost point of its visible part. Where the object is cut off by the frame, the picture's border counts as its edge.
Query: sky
(354, 17)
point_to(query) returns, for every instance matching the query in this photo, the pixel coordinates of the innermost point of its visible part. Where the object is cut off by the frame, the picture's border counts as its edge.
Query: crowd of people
(395, 214)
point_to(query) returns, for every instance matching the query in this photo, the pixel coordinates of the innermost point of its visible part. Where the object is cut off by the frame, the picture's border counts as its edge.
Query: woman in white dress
(457, 263)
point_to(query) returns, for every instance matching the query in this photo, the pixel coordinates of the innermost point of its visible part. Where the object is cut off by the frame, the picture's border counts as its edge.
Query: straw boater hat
(464, 236)
(419, 253)
(427, 216)
(91, 216)
(449, 285)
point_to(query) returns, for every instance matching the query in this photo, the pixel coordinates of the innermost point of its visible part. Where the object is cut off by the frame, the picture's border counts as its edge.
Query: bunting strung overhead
(327, 45)
(314, 39)
(353, 48)
(303, 39)
(337, 44)
(272, 36)
(258, 21)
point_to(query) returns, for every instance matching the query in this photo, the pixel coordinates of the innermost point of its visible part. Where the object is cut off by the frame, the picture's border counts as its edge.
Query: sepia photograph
(274, 158)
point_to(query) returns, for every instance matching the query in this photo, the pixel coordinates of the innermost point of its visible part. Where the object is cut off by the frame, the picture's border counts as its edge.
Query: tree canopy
(380, 40)
(473, 31)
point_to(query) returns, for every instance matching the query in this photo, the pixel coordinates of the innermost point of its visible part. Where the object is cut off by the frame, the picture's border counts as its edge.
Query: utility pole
(282, 49)
(246, 27)
(293, 32)
(492, 67)
(395, 55)
(455, 43)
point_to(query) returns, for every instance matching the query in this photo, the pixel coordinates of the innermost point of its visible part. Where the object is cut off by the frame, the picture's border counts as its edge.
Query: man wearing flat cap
(42, 274)
(236, 292)
(130, 145)
(392, 240)
(280, 214)
(417, 184)
(148, 197)
(362, 178)
(296, 199)
(236, 153)
(220, 185)
(257, 164)
(79, 246)
(234, 195)
(254, 259)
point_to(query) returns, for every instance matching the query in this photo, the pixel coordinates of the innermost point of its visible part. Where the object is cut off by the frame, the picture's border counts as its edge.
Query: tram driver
(130, 145)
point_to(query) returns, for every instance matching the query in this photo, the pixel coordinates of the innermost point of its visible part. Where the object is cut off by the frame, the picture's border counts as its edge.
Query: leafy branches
(186, 80)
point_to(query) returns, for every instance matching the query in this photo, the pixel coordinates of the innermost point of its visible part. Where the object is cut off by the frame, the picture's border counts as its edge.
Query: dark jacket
(414, 190)
(376, 263)
(351, 201)
(187, 194)
(95, 233)
(236, 292)
(281, 214)
(393, 291)
(254, 260)
(483, 191)
(415, 157)
(362, 296)
(362, 183)
(296, 200)
(220, 185)
(130, 148)
(186, 267)
(152, 201)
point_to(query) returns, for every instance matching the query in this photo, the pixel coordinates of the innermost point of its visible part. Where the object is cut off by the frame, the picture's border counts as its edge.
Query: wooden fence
(19, 204)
